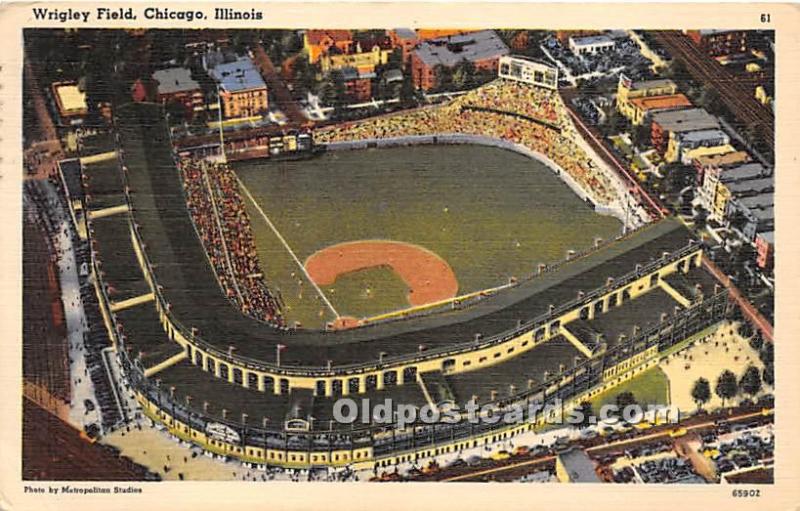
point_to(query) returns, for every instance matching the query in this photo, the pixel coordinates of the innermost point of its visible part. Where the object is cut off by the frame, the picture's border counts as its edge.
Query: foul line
(286, 245)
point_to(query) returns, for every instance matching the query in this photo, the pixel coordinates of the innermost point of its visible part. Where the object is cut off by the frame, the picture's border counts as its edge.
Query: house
(721, 43)
(483, 49)
(703, 164)
(665, 124)
(358, 83)
(752, 214)
(739, 189)
(682, 145)
(364, 53)
(319, 42)
(591, 45)
(765, 249)
(242, 90)
(70, 102)
(176, 85)
(405, 39)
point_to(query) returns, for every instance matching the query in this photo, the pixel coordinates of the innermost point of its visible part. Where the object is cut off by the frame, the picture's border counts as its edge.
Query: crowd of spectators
(525, 115)
(219, 214)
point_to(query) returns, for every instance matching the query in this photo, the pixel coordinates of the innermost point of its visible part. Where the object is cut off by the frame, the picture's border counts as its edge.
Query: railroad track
(705, 69)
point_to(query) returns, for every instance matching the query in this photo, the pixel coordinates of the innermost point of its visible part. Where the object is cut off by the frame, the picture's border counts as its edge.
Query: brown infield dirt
(428, 276)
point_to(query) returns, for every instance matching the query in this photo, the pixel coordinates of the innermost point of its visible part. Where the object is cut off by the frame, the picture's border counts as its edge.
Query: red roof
(317, 36)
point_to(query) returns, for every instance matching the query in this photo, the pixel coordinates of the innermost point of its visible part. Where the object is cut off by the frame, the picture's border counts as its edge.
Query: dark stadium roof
(104, 183)
(516, 371)
(144, 335)
(191, 288)
(71, 173)
(117, 260)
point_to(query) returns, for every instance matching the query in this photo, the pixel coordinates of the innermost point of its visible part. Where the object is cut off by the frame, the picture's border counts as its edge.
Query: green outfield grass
(649, 388)
(490, 213)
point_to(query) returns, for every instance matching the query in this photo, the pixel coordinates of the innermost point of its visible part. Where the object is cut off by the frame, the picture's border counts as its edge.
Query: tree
(587, 413)
(701, 392)
(767, 353)
(727, 386)
(750, 382)
(625, 399)
(463, 75)
(768, 375)
(757, 342)
(444, 78)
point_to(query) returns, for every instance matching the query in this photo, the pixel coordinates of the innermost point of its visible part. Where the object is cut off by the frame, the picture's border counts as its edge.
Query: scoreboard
(525, 69)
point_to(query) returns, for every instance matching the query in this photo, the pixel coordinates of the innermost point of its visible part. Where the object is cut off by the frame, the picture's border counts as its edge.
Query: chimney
(609, 281)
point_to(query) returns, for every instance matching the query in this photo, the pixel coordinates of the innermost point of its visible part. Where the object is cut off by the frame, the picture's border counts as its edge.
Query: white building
(591, 45)
(528, 70)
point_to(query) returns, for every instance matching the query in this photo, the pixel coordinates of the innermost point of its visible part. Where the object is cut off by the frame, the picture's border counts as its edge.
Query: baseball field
(354, 234)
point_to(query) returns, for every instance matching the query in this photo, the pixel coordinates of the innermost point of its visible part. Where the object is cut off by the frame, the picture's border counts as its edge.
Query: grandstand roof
(71, 175)
(191, 287)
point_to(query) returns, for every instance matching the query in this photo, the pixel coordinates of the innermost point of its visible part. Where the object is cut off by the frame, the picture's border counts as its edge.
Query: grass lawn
(649, 388)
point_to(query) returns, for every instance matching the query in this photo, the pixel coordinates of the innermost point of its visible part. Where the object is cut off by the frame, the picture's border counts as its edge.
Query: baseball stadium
(472, 251)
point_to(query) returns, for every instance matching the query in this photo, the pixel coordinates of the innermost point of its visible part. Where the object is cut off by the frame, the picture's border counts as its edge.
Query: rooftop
(653, 84)
(239, 75)
(578, 465)
(691, 119)
(591, 39)
(768, 236)
(757, 201)
(174, 80)
(722, 160)
(449, 51)
(746, 171)
(317, 36)
(751, 186)
(702, 135)
(405, 33)
(661, 102)
(71, 100)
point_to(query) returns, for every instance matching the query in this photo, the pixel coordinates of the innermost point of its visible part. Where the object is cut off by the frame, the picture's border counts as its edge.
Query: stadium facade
(243, 388)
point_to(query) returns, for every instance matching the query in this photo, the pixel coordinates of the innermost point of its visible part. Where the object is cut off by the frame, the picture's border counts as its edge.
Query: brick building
(483, 49)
